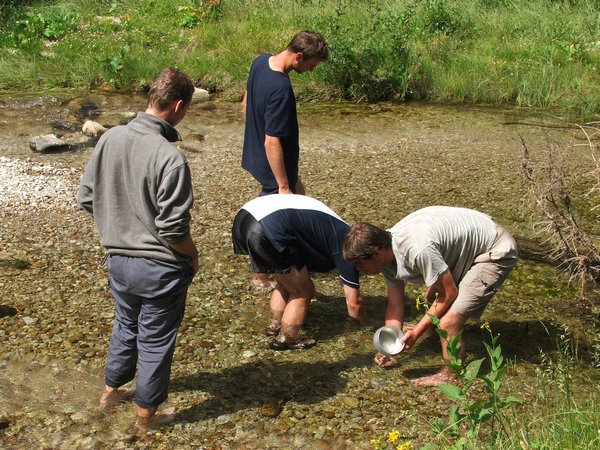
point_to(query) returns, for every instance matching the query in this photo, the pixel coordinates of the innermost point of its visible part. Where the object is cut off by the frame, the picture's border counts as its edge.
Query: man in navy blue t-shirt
(271, 144)
(286, 237)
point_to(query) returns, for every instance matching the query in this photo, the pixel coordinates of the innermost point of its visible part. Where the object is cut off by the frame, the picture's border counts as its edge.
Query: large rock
(47, 143)
(93, 129)
(200, 95)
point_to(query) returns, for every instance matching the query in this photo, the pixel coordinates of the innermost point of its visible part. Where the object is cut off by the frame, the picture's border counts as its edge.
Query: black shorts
(249, 239)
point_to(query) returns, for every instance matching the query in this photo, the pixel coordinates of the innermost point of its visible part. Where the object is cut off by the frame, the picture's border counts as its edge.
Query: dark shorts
(250, 239)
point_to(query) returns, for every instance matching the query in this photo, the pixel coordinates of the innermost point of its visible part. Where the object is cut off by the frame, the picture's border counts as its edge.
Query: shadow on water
(261, 382)
(52, 405)
(327, 317)
(521, 341)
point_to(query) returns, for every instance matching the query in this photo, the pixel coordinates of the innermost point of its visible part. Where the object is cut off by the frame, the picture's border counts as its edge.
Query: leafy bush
(50, 26)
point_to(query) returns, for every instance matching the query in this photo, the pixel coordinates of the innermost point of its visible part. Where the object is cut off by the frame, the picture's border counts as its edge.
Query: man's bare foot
(434, 380)
(155, 420)
(384, 361)
(112, 396)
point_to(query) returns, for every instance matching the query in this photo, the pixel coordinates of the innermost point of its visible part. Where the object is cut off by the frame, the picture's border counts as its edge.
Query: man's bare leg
(276, 308)
(296, 289)
(278, 303)
(300, 290)
(453, 323)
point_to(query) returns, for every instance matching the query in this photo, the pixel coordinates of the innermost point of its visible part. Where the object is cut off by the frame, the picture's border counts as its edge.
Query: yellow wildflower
(485, 324)
(418, 303)
(376, 442)
(394, 436)
(405, 446)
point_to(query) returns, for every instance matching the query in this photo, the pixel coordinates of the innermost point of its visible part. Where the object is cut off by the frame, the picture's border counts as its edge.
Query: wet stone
(87, 110)
(7, 311)
(270, 409)
(47, 143)
(337, 398)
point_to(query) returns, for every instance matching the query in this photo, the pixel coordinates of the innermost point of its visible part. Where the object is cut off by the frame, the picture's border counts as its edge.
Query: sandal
(292, 344)
(272, 329)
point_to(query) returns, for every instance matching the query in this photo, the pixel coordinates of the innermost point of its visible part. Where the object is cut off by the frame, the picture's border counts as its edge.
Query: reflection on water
(367, 162)
(54, 406)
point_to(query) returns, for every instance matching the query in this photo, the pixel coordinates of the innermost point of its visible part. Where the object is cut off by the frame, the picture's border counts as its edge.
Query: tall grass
(530, 53)
(560, 417)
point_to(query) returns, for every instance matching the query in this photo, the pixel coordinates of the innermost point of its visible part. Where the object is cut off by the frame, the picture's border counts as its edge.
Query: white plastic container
(388, 340)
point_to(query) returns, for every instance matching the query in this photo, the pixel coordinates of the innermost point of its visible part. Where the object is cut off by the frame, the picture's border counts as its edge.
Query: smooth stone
(200, 95)
(47, 143)
(93, 129)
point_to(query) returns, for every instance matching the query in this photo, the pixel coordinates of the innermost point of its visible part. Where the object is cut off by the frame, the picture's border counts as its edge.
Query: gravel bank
(231, 391)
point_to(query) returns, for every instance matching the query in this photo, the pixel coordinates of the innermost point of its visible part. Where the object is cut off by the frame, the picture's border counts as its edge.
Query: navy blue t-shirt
(308, 227)
(270, 110)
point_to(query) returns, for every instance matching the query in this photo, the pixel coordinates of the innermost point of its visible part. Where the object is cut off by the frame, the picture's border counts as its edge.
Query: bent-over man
(460, 254)
(287, 237)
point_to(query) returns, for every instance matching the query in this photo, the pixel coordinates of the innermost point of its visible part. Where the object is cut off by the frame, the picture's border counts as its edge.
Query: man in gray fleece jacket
(138, 188)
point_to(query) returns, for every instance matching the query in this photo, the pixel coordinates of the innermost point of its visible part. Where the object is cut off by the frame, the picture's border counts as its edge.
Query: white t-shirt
(431, 240)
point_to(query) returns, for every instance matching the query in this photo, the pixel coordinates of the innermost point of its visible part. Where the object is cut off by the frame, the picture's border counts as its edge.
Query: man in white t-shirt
(460, 254)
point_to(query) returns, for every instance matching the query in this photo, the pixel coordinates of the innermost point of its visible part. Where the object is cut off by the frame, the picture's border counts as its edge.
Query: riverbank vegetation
(529, 53)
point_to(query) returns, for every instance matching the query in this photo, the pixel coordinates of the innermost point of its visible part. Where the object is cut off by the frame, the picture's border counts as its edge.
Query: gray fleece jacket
(138, 187)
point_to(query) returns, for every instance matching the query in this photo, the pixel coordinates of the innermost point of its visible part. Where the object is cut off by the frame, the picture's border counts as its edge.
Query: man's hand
(188, 248)
(410, 337)
(285, 190)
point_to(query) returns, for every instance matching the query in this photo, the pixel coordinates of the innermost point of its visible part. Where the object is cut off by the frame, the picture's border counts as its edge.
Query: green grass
(560, 417)
(529, 53)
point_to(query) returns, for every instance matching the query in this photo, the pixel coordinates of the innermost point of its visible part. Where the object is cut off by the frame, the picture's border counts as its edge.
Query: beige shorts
(486, 275)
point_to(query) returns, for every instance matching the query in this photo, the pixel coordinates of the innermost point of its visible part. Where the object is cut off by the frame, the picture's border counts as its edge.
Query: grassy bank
(531, 53)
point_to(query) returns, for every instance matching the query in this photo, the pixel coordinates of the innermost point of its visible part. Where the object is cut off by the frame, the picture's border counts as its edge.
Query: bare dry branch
(557, 223)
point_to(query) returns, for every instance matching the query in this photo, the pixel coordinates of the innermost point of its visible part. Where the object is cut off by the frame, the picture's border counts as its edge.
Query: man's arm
(85, 194)
(274, 152)
(355, 304)
(244, 104)
(300, 187)
(394, 312)
(440, 295)
(188, 248)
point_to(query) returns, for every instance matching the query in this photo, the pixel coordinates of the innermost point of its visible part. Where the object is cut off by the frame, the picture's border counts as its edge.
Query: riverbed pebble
(54, 335)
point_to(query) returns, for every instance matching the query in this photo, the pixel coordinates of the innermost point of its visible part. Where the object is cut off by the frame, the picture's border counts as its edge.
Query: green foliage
(32, 26)
(439, 17)
(115, 64)
(535, 53)
(471, 412)
(370, 62)
(191, 17)
(559, 369)
(558, 418)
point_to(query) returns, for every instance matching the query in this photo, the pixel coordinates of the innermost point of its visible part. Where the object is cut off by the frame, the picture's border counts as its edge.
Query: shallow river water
(374, 163)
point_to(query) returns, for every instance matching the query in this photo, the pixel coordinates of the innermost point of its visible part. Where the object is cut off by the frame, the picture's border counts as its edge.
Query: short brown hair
(363, 240)
(311, 44)
(169, 86)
